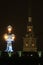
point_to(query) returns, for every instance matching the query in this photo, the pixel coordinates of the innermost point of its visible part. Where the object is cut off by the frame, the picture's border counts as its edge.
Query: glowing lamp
(5, 36)
(9, 28)
(30, 29)
(31, 54)
(13, 36)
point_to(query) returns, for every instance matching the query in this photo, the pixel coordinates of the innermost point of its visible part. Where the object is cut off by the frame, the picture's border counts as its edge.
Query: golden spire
(29, 19)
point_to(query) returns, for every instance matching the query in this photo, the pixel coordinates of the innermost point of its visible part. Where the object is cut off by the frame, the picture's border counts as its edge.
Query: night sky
(15, 13)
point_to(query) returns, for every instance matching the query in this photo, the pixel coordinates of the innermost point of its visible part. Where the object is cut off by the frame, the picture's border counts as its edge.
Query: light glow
(13, 36)
(5, 36)
(9, 28)
(26, 44)
(33, 45)
(29, 29)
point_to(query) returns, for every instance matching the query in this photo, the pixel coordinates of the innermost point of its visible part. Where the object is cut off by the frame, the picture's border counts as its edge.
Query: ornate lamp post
(9, 38)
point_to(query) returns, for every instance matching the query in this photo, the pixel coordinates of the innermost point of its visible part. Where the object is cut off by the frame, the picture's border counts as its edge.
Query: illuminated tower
(29, 41)
(9, 38)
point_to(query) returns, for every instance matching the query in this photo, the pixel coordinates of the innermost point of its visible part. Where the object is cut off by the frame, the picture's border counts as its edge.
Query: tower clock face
(30, 29)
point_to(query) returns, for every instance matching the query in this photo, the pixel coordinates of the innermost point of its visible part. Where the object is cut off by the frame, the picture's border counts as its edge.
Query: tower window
(26, 44)
(33, 45)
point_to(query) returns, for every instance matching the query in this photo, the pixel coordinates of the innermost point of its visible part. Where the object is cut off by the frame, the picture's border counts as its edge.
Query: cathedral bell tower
(29, 41)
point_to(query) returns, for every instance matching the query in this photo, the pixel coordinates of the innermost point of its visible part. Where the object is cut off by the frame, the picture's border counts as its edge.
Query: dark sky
(16, 13)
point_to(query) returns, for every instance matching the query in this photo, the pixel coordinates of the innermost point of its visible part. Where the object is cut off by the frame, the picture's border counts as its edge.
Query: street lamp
(9, 38)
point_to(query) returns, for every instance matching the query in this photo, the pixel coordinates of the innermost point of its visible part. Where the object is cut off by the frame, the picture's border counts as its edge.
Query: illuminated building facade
(29, 41)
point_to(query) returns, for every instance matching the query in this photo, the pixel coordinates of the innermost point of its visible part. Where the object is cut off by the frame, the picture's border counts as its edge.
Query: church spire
(29, 41)
(29, 8)
(29, 11)
(29, 25)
